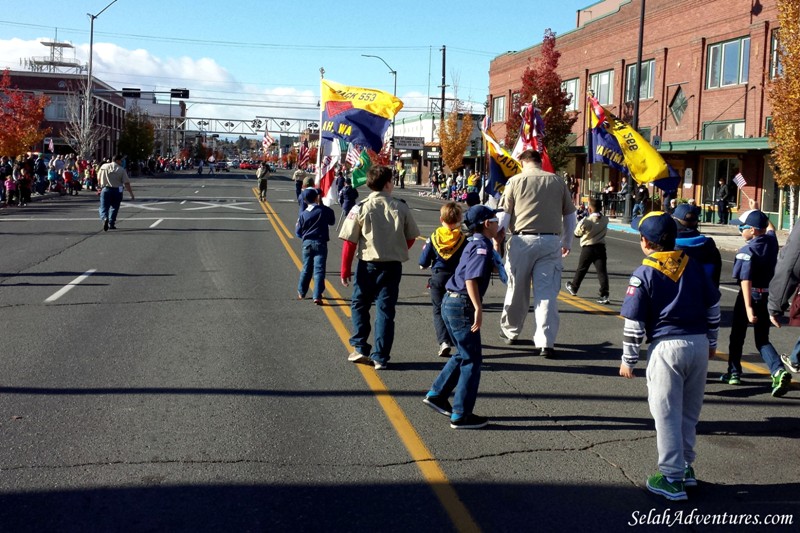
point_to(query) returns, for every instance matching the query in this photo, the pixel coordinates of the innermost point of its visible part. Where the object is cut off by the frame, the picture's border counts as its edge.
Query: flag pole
(319, 146)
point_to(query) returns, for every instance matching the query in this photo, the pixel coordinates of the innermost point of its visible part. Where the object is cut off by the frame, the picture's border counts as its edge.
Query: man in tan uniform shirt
(379, 230)
(541, 221)
(111, 178)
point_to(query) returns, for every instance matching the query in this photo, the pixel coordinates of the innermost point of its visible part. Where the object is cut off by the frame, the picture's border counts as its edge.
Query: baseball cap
(753, 218)
(477, 215)
(310, 195)
(687, 215)
(657, 227)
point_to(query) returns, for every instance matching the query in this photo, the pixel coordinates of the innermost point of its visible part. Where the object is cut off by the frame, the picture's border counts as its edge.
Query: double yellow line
(422, 457)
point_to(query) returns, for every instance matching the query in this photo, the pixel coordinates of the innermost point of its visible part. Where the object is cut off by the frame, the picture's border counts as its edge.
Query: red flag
(303, 155)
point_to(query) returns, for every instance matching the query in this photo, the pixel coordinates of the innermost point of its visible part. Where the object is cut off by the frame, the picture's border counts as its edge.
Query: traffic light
(179, 93)
(129, 92)
(391, 143)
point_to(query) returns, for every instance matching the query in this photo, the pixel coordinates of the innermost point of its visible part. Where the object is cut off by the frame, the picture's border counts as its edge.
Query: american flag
(51, 146)
(486, 123)
(302, 155)
(739, 180)
(268, 141)
(353, 155)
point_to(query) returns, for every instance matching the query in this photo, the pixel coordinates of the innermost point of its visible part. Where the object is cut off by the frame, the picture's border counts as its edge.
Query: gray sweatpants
(676, 381)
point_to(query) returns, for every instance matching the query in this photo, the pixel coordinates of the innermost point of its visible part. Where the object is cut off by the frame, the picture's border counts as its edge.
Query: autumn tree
(138, 136)
(542, 80)
(784, 94)
(21, 117)
(454, 135)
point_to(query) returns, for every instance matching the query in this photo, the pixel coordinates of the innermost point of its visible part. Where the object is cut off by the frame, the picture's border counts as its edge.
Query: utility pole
(626, 219)
(444, 85)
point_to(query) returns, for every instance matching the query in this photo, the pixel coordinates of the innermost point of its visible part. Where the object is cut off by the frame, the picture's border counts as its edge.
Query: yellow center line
(424, 460)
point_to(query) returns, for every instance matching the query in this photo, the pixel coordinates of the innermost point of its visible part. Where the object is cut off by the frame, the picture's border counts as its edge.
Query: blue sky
(236, 56)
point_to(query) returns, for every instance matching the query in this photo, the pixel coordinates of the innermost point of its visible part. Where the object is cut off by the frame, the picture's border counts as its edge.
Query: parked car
(233, 163)
(222, 165)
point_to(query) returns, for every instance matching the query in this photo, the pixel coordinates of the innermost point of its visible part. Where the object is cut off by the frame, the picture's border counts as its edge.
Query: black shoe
(547, 353)
(438, 404)
(603, 300)
(507, 340)
(112, 226)
(470, 421)
(571, 289)
(105, 224)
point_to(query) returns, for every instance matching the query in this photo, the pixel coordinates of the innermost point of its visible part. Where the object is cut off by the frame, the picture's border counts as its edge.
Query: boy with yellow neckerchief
(672, 302)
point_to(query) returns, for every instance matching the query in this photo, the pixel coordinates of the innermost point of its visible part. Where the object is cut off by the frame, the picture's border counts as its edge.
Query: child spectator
(592, 231)
(753, 268)
(672, 301)
(463, 315)
(312, 227)
(11, 189)
(441, 253)
(379, 230)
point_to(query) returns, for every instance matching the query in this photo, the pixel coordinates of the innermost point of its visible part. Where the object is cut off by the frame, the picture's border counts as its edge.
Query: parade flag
(51, 146)
(643, 162)
(486, 123)
(531, 135)
(501, 165)
(360, 171)
(326, 174)
(268, 141)
(739, 180)
(358, 115)
(353, 155)
(303, 155)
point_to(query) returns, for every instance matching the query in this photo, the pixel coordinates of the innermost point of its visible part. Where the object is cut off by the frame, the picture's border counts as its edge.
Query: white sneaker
(356, 357)
(788, 362)
(444, 350)
(378, 366)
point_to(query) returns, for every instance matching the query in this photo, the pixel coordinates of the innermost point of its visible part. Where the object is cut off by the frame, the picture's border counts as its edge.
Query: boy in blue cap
(696, 245)
(672, 302)
(312, 227)
(753, 268)
(463, 315)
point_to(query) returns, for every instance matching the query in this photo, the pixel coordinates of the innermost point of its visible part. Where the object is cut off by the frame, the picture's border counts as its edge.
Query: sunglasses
(744, 227)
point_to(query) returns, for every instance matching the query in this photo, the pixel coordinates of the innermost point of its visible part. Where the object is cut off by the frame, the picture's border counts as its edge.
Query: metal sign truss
(256, 126)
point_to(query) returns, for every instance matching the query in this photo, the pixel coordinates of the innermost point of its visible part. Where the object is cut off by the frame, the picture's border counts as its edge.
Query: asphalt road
(163, 377)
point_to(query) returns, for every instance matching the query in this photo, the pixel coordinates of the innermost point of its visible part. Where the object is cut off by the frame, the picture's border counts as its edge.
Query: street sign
(179, 93)
(409, 143)
(657, 142)
(129, 92)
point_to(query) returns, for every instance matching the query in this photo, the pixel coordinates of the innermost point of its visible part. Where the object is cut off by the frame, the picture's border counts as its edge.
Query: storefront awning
(716, 145)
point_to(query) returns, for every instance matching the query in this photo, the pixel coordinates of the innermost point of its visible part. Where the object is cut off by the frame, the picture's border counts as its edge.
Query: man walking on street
(541, 223)
(111, 178)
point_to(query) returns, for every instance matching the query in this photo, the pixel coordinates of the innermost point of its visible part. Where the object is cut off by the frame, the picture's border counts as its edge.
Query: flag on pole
(486, 123)
(501, 165)
(739, 180)
(268, 141)
(361, 168)
(303, 155)
(353, 156)
(51, 146)
(357, 115)
(531, 134)
(326, 176)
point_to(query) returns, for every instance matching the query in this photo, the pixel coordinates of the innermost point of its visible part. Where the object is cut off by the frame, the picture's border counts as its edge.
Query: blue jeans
(794, 357)
(462, 372)
(638, 209)
(377, 282)
(110, 198)
(315, 254)
(438, 281)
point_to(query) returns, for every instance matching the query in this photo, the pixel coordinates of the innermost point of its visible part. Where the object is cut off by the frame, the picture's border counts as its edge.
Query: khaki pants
(532, 260)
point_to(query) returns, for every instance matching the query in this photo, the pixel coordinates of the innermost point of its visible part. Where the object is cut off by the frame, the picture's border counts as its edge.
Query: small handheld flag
(739, 180)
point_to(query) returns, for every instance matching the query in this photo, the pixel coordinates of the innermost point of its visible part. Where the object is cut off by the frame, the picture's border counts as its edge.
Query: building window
(768, 127)
(678, 105)
(713, 170)
(775, 65)
(56, 110)
(499, 109)
(647, 81)
(571, 87)
(728, 63)
(723, 130)
(602, 84)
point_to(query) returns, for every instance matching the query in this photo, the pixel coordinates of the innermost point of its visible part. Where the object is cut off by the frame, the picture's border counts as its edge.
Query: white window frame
(572, 87)
(716, 70)
(602, 84)
(645, 91)
(56, 110)
(499, 109)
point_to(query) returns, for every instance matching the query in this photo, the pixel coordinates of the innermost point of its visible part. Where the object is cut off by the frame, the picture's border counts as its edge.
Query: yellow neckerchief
(671, 264)
(446, 242)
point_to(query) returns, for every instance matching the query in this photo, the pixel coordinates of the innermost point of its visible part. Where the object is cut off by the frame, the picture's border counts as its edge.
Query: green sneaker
(689, 479)
(731, 378)
(659, 484)
(780, 383)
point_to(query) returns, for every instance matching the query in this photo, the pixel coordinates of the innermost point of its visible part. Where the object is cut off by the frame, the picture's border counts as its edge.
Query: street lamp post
(88, 96)
(393, 72)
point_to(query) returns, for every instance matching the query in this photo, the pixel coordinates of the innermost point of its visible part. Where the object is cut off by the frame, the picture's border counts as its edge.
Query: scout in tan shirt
(380, 230)
(111, 178)
(592, 231)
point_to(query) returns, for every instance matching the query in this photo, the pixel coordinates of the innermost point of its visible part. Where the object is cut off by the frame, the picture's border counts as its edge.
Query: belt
(525, 232)
(762, 291)
(456, 295)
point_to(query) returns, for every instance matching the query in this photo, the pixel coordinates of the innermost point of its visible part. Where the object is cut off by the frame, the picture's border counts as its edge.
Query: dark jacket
(702, 249)
(313, 223)
(642, 194)
(347, 197)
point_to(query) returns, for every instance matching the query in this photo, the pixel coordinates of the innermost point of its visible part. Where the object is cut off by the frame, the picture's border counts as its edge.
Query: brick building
(703, 91)
(58, 86)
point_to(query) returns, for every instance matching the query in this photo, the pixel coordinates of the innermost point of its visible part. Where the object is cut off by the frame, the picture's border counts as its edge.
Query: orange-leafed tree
(21, 116)
(454, 136)
(784, 94)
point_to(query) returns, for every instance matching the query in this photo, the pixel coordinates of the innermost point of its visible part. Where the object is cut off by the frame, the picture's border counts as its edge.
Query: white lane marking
(69, 286)
(196, 192)
(415, 209)
(183, 202)
(728, 289)
(210, 205)
(156, 223)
